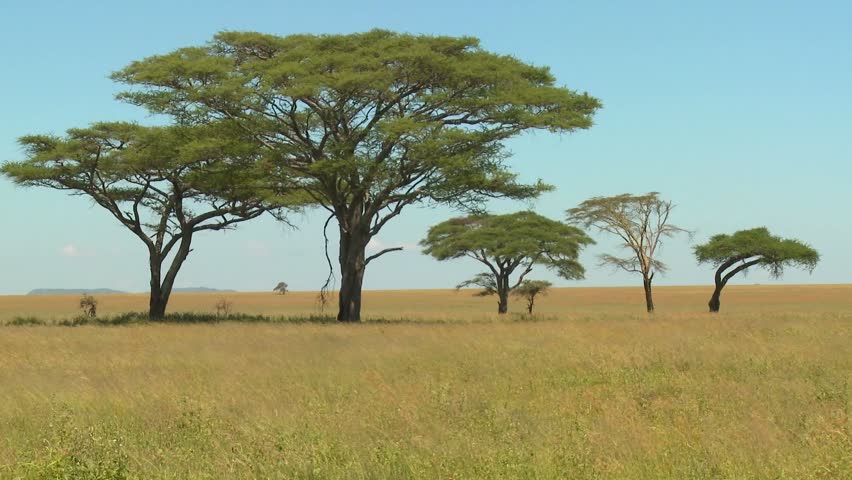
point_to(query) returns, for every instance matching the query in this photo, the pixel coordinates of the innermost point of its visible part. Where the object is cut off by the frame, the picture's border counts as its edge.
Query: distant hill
(109, 291)
(73, 291)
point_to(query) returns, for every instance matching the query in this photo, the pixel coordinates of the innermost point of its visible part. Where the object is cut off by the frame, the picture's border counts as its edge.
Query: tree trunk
(715, 302)
(721, 281)
(161, 288)
(649, 300)
(352, 266)
(502, 294)
(530, 304)
(503, 303)
(156, 305)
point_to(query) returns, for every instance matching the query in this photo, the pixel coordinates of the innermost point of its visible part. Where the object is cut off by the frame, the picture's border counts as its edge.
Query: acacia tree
(752, 248)
(280, 288)
(530, 289)
(641, 222)
(506, 244)
(366, 123)
(164, 184)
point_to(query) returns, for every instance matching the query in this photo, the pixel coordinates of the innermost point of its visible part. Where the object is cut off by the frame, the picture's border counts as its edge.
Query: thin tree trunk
(352, 267)
(530, 303)
(649, 299)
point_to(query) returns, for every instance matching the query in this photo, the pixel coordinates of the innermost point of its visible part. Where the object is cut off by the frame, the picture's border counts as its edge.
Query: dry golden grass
(763, 391)
(462, 305)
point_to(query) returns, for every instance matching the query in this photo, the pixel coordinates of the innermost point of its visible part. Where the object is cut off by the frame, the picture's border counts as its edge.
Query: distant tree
(506, 244)
(641, 222)
(530, 289)
(280, 288)
(164, 184)
(752, 248)
(89, 305)
(223, 307)
(368, 123)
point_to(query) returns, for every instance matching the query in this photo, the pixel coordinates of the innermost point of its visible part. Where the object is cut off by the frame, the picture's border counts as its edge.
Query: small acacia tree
(507, 244)
(89, 305)
(641, 222)
(530, 289)
(366, 123)
(164, 184)
(752, 248)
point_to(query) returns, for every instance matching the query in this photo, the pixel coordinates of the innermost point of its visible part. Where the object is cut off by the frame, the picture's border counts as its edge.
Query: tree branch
(377, 255)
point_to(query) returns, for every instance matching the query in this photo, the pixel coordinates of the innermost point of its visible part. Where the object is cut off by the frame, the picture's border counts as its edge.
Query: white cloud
(69, 250)
(376, 245)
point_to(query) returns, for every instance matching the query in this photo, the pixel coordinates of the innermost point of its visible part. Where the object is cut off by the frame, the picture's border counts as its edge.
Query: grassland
(592, 390)
(452, 305)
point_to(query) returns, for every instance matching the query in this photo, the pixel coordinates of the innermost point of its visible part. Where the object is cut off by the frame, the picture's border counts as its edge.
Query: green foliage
(71, 451)
(530, 289)
(485, 281)
(506, 243)
(368, 123)
(125, 167)
(770, 252)
(512, 240)
(400, 118)
(164, 184)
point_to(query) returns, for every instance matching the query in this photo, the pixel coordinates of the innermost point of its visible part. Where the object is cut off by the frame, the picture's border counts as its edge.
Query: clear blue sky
(740, 112)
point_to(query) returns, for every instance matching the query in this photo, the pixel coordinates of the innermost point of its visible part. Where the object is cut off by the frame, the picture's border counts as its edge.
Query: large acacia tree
(366, 123)
(732, 254)
(641, 222)
(164, 184)
(508, 244)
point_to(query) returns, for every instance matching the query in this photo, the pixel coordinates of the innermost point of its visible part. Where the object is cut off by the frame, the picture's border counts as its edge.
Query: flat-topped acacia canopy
(508, 243)
(755, 247)
(366, 123)
(164, 184)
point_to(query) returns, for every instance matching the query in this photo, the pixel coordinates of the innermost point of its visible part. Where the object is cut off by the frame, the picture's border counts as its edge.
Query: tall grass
(590, 396)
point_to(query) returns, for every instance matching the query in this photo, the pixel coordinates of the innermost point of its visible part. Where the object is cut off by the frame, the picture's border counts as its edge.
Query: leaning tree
(507, 244)
(732, 254)
(641, 222)
(164, 184)
(366, 123)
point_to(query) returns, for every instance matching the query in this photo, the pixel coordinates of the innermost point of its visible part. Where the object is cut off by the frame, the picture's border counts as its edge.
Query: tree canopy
(641, 222)
(530, 289)
(366, 123)
(507, 244)
(164, 184)
(752, 248)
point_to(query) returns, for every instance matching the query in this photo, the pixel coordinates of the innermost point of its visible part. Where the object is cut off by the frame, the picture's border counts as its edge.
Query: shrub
(89, 306)
(224, 307)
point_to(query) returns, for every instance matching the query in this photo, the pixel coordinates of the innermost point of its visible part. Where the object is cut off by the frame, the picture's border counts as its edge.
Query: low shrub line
(140, 318)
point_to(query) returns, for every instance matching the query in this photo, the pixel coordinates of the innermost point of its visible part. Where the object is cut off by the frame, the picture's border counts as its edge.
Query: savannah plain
(433, 385)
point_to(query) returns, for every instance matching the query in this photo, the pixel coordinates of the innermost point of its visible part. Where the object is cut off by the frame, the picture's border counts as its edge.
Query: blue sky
(739, 112)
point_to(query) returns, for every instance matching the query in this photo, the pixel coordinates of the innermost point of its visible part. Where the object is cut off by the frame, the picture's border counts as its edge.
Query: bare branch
(379, 254)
